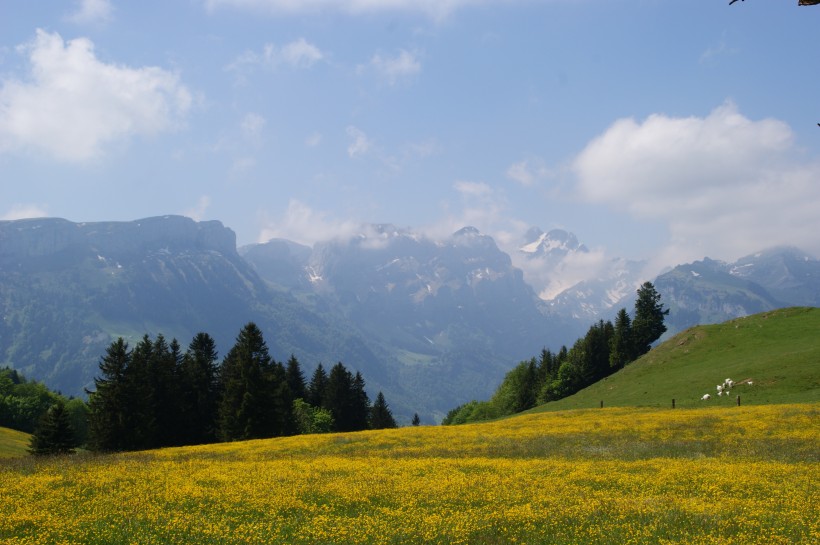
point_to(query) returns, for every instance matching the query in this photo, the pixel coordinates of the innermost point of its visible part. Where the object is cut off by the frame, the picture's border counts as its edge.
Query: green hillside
(779, 351)
(13, 443)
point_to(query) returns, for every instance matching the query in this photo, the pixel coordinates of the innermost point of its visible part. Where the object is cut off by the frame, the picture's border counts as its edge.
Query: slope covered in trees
(605, 349)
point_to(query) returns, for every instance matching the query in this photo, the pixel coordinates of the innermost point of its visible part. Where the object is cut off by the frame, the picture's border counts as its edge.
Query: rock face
(51, 237)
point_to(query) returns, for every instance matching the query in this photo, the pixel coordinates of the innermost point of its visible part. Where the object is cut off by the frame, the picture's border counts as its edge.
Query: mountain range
(431, 323)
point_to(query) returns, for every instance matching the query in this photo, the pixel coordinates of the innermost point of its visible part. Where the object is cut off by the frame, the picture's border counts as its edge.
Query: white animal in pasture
(705, 397)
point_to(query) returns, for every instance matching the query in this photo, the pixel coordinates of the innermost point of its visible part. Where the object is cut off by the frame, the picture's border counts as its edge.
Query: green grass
(13, 443)
(778, 350)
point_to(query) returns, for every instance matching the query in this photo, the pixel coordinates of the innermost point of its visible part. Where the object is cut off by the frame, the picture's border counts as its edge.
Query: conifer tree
(200, 390)
(245, 408)
(54, 434)
(108, 422)
(296, 379)
(621, 349)
(316, 388)
(380, 415)
(647, 325)
(416, 420)
(361, 403)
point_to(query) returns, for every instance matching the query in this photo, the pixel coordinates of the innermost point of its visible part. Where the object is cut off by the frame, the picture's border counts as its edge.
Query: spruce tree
(107, 404)
(380, 415)
(360, 416)
(54, 434)
(621, 347)
(338, 398)
(316, 388)
(295, 378)
(200, 390)
(416, 420)
(245, 408)
(647, 325)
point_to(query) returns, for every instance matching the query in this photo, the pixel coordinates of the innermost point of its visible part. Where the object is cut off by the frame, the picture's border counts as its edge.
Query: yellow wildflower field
(740, 475)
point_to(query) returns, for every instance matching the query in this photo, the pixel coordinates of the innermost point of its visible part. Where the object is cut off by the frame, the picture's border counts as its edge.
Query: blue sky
(652, 129)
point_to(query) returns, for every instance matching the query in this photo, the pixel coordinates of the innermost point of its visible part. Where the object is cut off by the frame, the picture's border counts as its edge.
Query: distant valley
(432, 323)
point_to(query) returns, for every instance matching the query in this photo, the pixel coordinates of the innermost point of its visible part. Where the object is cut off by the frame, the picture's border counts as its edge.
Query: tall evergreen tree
(296, 379)
(245, 408)
(647, 324)
(380, 415)
(108, 423)
(621, 347)
(316, 388)
(54, 434)
(416, 420)
(361, 404)
(200, 390)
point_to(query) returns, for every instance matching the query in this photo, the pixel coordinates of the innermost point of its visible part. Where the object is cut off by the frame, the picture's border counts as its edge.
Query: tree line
(155, 395)
(605, 349)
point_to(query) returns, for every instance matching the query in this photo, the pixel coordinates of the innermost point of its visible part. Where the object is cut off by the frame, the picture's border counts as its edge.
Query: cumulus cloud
(436, 9)
(73, 104)
(360, 144)
(392, 69)
(725, 185)
(297, 54)
(92, 11)
(25, 211)
(300, 223)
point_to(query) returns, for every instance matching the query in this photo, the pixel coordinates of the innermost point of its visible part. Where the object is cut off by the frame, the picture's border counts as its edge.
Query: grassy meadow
(729, 475)
(13, 443)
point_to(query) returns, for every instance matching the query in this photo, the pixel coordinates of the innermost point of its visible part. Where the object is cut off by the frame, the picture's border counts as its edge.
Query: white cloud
(304, 225)
(435, 9)
(724, 185)
(301, 54)
(404, 65)
(360, 145)
(197, 212)
(473, 189)
(527, 172)
(73, 104)
(92, 11)
(297, 54)
(25, 211)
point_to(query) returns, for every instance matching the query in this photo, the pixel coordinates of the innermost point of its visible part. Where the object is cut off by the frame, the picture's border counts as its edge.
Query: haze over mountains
(432, 323)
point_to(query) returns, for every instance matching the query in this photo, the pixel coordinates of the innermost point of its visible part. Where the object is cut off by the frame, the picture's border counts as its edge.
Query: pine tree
(245, 408)
(54, 434)
(621, 347)
(380, 415)
(316, 388)
(360, 417)
(108, 422)
(647, 325)
(416, 420)
(200, 390)
(296, 379)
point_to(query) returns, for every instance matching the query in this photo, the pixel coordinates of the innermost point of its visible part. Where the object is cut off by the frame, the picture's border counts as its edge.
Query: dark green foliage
(621, 345)
(416, 420)
(295, 378)
(108, 411)
(310, 419)
(317, 387)
(155, 396)
(380, 415)
(647, 325)
(244, 412)
(199, 378)
(23, 402)
(54, 435)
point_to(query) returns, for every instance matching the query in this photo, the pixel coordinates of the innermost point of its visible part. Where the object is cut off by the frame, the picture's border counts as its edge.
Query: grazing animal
(719, 388)
(706, 397)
